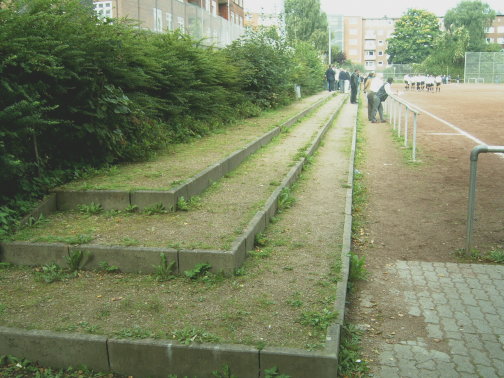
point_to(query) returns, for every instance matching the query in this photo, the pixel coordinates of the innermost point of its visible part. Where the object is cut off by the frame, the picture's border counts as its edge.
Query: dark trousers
(353, 94)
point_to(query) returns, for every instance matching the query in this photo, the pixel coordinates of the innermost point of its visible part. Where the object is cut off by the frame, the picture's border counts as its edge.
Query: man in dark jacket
(354, 86)
(330, 77)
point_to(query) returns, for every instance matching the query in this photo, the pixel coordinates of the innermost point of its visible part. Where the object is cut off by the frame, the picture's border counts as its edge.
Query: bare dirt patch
(418, 212)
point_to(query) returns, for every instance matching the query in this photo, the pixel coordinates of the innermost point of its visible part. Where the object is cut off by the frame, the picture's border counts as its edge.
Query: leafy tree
(448, 54)
(413, 38)
(473, 16)
(305, 21)
(308, 68)
(265, 62)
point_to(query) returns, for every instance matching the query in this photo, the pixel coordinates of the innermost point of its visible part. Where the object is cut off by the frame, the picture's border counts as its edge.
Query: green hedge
(78, 92)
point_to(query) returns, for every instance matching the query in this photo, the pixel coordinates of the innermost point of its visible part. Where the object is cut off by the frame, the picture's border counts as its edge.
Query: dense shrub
(79, 92)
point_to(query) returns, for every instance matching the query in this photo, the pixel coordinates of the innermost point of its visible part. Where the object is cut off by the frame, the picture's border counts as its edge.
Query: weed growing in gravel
(358, 269)
(184, 205)
(318, 320)
(50, 273)
(106, 267)
(165, 270)
(135, 333)
(73, 240)
(350, 363)
(157, 208)
(497, 255)
(274, 373)
(199, 271)
(90, 209)
(129, 242)
(285, 199)
(190, 335)
(74, 259)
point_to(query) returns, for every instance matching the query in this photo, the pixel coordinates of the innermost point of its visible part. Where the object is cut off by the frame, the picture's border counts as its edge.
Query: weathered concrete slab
(25, 253)
(148, 198)
(155, 358)
(298, 363)
(199, 183)
(219, 260)
(46, 207)
(59, 350)
(128, 259)
(239, 251)
(108, 199)
(256, 226)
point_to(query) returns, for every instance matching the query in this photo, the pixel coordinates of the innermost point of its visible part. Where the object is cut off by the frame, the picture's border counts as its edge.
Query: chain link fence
(484, 67)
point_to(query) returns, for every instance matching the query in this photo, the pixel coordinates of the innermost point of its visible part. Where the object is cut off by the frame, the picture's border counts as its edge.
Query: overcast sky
(371, 8)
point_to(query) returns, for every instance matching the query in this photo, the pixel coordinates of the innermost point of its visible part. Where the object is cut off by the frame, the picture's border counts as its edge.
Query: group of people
(342, 80)
(375, 88)
(430, 83)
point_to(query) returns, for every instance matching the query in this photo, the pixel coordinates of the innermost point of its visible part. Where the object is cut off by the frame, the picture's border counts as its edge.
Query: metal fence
(484, 67)
(403, 117)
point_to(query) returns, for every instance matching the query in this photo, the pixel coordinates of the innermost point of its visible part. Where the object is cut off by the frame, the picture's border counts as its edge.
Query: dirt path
(415, 222)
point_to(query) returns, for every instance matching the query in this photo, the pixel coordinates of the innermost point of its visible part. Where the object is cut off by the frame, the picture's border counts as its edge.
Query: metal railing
(399, 119)
(472, 188)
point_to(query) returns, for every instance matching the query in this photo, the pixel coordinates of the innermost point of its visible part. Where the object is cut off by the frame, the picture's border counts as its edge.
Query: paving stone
(434, 331)
(463, 364)
(486, 371)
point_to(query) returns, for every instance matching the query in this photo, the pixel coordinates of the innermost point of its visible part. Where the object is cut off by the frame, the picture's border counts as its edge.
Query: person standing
(369, 94)
(331, 78)
(354, 86)
(380, 96)
(341, 78)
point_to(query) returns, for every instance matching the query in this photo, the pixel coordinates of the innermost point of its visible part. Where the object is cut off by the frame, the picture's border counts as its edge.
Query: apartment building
(254, 20)
(218, 22)
(495, 33)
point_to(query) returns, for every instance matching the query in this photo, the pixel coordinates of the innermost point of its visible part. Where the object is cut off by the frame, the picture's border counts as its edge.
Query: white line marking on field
(456, 128)
(450, 134)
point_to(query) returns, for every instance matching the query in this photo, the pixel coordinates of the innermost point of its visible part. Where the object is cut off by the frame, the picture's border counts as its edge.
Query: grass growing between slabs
(351, 363)
(282, 296)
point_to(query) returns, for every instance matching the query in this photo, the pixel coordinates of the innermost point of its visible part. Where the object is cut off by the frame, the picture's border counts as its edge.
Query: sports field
(453, 121)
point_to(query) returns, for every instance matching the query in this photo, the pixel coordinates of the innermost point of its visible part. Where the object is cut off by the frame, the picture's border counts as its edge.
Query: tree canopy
(413, 38)
(473, 16)
(305, 21)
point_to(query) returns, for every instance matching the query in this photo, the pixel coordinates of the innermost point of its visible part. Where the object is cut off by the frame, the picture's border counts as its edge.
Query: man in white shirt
(380, 95)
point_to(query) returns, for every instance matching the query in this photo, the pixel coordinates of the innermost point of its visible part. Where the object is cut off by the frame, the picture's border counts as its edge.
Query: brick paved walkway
(463, 306)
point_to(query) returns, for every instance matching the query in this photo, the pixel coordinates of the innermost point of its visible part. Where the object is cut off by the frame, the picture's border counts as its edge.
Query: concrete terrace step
(226, 224)
(157, 358)
(173, 169)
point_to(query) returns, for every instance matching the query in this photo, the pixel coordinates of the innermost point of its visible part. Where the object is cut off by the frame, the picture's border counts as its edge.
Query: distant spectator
(331, 78)
(354, 86)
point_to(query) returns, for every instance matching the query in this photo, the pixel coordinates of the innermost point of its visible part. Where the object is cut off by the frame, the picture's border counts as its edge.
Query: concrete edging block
(255, 226)
(128, 259)
(26, 253)
(59, 350)
(299, 363)
(148, 198)
(156, 358)
(200, 182)
(221, 261)
(46, 207)
(239, 250)
(108, 199)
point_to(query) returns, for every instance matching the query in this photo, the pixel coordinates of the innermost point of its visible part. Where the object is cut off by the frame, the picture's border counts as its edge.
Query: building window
(380, 63)
(353, 21)
(369, 53)
(103, 8)
(500, 29)
(158, 20)
(353, 31)
(369, 64)
(489, 29)
(181, 24)
(353, 52)
(489, 40)
(352, 42)
(380, 43)
(169, 21)
(380, 53)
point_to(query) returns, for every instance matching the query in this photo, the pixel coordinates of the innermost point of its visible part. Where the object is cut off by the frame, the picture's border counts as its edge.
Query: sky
(371, 8)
